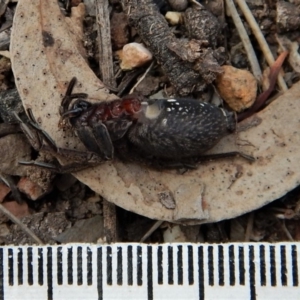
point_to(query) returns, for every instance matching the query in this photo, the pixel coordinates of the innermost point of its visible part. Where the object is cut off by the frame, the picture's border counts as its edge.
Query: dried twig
(151, 230)
(10, 182)
(142, 78)
(109, 222)
(286, 231)
(260, 39)
(104, 43)
(245, 40)
(263, 97)
(20, 224)
(156, 34)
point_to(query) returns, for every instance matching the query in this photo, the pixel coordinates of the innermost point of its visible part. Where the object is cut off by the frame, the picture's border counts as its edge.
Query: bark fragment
(179, 66)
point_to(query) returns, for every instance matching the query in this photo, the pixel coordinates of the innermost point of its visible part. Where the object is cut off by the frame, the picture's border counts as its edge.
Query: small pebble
(18, 210)
(237, 87)
(30, 188)
(4, 230)
(174, 17)
(134, 55)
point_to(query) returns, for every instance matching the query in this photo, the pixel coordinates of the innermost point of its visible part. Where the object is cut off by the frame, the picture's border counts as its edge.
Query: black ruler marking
(139, 266)
(59, 266)
(283, 265)
(79, 266)
(231, 265)
(221, 265)
(201, 273)
(109, 265)
(149, 273)
(295, 265)
(20, 266)
(210, 264)
(99, 274)
(1, 275)
(179, 265)
(252, 273)
(272, 266)
(283, 255)
(49, 274)
(241, 266)
(262, 255)
(129, 266)
(70, 265)
(119, 266)
(89, 266)
(29, 266)
(160, 276)
(170, 265)
(190, 265)
(40, 267)
(10, 267)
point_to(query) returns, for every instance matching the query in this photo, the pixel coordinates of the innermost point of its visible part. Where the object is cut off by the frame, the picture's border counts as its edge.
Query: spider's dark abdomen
(179, 128)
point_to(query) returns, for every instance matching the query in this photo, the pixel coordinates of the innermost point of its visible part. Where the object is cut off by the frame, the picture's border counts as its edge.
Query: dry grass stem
(245, 39)
(260, 39)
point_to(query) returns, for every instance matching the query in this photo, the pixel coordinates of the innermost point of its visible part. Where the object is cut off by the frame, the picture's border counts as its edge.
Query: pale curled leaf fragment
(214, 191)
(5, 53)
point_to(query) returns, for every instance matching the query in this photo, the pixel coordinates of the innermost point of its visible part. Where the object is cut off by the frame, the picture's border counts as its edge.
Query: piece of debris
(83, 231)
(174, 17)
(195, 17)
(148, 86)
(178, 60)
(4, 231)
(10, 103)
(174, 234)
(134, 55)
(237, 87)
(288, 17)
(17, 209)
(13, 148)
(30, 188)
(46, 227)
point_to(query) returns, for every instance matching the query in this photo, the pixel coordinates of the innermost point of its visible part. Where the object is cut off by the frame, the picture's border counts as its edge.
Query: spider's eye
(81, 104)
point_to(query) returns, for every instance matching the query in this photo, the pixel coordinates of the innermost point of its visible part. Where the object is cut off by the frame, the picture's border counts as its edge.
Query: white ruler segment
(141, 271)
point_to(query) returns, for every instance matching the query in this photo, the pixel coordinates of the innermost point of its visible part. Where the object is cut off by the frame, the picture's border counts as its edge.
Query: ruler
(141, 271)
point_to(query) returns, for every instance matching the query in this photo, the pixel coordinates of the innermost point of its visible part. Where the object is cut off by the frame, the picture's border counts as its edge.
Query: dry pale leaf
(45, 57)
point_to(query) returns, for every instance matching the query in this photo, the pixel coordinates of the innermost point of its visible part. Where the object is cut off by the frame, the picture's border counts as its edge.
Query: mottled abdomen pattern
(180, 128)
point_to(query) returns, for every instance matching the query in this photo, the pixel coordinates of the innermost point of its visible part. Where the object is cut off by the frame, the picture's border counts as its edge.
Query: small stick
(151, 230)
(20, 224)
(286, 231)
(263, 97)
(142, 78)
(10, 182)
(245, 40)
(104, 43)
(109, 222)
(260, 39)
